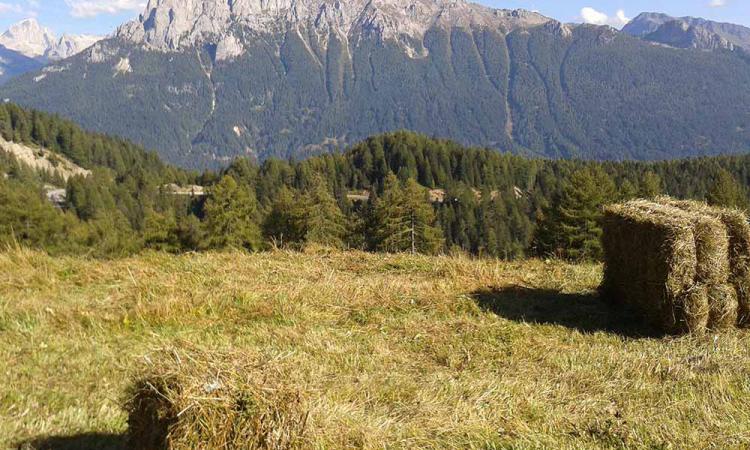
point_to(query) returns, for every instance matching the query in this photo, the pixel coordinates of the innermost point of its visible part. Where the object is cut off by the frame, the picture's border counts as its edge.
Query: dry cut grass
(351, 350)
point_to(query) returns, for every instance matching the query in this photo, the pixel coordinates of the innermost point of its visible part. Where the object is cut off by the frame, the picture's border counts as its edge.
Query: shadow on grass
(83, 441)
(587, 312)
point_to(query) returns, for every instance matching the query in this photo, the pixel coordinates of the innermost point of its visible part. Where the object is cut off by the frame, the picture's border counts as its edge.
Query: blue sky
(103, 16)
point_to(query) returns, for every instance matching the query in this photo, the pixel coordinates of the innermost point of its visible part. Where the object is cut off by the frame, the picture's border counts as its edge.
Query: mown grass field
(387, 351)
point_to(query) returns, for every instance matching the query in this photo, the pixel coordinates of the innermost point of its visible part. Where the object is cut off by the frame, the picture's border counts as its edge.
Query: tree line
(395, 192)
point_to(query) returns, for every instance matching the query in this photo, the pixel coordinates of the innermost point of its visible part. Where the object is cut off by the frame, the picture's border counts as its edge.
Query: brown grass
(188, 398)
(382, 351)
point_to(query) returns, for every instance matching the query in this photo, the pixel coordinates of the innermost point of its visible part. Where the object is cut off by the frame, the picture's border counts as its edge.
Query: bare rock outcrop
(171, 25)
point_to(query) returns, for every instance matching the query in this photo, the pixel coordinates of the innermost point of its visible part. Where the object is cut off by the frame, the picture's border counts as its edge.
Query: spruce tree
(650, 186)
(160, 231)
(284, 221)
(230, 212)
(572, 229)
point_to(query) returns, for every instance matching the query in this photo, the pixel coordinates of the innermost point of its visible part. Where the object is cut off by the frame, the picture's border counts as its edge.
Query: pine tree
(406, 219)
(230, 212)
(727, 191)
(283, 223)
(6, 129)
(572, 228)
(627, 191)
(190, 233)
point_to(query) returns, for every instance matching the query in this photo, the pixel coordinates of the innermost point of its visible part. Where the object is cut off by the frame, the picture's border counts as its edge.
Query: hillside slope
(43, 160)
(64, 189)
(485, 202)
(209, 87)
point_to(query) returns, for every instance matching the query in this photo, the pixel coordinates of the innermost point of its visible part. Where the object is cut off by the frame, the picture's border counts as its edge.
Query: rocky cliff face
(689, 32)
(172, 25)
(680, 34)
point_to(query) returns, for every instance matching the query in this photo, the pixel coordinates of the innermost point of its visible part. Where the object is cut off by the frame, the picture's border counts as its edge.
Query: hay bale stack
(699, 254)
(712, 254)
(651, 265)
(190, 399)
(738, 231)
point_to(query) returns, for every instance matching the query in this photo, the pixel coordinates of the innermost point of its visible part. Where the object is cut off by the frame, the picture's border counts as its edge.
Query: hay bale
(188, 399)
(651, 265)
(712, 253)
(722, 302)
(742, 286)
(694, 310)
(738, 230)
(711, 238)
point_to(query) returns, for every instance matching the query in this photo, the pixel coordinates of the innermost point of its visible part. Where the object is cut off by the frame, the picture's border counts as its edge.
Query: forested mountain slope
(266, 84)
(111, 185)
(370, 197)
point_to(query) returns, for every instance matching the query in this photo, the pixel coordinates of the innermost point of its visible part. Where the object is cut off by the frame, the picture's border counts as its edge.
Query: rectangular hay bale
(738, 231)
(712, 254)
(651, 265)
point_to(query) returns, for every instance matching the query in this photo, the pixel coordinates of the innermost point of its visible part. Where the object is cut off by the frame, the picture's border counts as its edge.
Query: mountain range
(27, 46)
(208, 80)
(688, 32)
(31, 39)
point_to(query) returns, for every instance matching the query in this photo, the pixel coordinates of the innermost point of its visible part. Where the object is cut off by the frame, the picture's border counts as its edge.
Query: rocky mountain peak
(688, 32)
(32, 40)
(171, 25)
(71, 44)
(29, 38)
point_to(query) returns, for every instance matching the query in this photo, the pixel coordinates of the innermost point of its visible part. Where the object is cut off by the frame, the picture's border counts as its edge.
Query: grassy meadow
(385, 351)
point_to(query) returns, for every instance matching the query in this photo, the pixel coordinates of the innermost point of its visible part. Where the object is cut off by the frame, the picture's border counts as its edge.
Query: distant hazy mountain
(207, 80)
(69, 45)
(689, 32)
(31, 39)
(13, 64)
(28, 38)
(27, 46)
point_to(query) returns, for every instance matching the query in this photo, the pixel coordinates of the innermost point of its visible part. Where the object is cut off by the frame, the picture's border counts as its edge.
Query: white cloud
(10, 8)
(592, 16)
(717, 3)
(19, 9)
(622, 18)
(92, 8)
